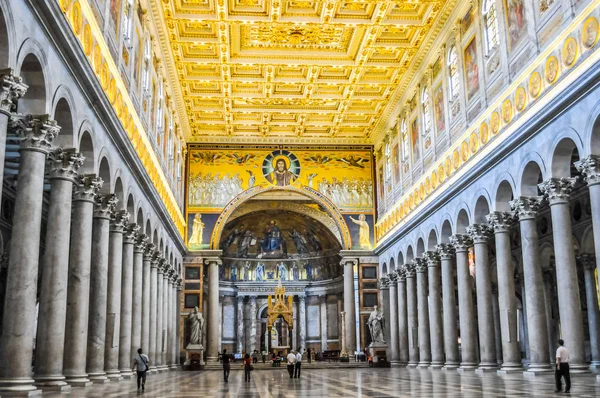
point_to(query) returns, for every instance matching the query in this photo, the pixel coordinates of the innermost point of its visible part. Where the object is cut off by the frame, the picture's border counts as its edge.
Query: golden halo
(285, 159)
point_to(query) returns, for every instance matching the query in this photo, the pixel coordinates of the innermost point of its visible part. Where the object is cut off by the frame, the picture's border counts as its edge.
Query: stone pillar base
(533, 373)
(113, 375)
(82, 382)
(98, 378)
(126, 374)
(508, 369)
(54, 387)
(467, 367)
(424, 365)
(436, 365)
(579, 368)
(412, 364)
(16, 392)
(395, 363)
(52, 383)
(598, 379)
(595, 367)
(483, 370)
(451, 366)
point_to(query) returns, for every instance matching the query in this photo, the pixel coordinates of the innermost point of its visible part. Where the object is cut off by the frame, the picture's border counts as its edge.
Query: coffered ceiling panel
(294, 71)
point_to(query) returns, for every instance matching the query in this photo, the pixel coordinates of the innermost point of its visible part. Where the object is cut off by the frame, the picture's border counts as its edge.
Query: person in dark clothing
(226, 366)
(308, 354)
(562, 367)
(247, 367)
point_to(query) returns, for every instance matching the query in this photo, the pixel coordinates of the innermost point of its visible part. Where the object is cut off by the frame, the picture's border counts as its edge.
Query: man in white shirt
(140, 364)
(298, 364)
(562, 367)
(291, 360)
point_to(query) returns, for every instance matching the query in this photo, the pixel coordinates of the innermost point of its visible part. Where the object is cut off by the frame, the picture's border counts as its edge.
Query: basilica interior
(406, 193)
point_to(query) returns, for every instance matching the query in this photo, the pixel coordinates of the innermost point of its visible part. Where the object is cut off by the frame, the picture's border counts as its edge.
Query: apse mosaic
(218, 175)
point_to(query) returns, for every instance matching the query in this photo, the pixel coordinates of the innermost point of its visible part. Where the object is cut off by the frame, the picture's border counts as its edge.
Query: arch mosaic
(310, 193)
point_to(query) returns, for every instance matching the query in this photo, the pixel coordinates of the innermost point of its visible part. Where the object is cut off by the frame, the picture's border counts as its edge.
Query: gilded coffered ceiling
(292, 71)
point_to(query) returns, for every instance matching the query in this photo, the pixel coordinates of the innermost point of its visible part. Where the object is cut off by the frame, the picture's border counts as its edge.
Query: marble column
(344, 350)
(435, 309)
(558, 192)
(411, 304)
(302, 320)
(323, 323)
(103, 208)
(423, 313)
(160, 298)
(213, 348)
(19, 316)
(591, 296)
(50, 340)
(483, 284)
(153, 315)
(349, 304)
(402, 317)
(137, 294)
(178, 337)
(497, 332)
(125, 358)
(146, 283)
(78, 290)
(446, 252)
(11, 89)
(590, 169)
(173, 336)
(466, 312)
(502, 222)
(240, 324)
(113, 304)
(252, 324)
(526, 209)
(165, 314)
(394, 345)
(170, 322)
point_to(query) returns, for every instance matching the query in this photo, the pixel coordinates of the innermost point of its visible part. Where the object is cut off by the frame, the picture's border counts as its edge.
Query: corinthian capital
(11, 89)
(558, 190)
(36, 132)
(119, 220)
(501, 221)
(420, 265)
(140, 243)
(445, 250)
(87, 187)
(393, 276)
(130, 232)
(148, 250)
(432, 258)
(461, 242)
(104, 205)
(64, 164)
(401, 272)
(479, 232)
(526, 207)
(590, 168)
(410, 270)
(588, 261)
(384, 282)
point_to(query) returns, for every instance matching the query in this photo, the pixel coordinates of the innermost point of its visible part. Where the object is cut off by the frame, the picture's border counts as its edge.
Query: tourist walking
(247, 367)
(140, 365)
(298, 364)
(226, 365)
(291, 362)
(562, 367)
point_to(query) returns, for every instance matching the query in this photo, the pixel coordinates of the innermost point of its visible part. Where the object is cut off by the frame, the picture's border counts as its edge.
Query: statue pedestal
(379, 353)
(194, 357)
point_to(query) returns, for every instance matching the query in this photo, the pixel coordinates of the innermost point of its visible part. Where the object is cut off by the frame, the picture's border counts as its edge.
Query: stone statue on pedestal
(196, 322)
(376, 325)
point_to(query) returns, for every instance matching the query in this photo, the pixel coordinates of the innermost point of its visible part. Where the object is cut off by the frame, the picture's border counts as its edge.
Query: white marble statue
(196, 323)
(260, 272)
(376, 325)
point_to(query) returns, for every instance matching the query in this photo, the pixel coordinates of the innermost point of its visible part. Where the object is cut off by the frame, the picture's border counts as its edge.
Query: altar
(280, 321)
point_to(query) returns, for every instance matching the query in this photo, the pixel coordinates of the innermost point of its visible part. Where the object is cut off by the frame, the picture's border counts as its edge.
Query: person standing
(255, 357)
(247, 367)
(291, 362)
(226, 365)
(562, 367)
(308, 354)
(140, 365)
(298, 364)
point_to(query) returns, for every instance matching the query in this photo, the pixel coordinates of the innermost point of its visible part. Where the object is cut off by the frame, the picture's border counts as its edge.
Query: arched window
(146, 67)
(453, 72)
(426, 111)
(491, 25)
(405, 140)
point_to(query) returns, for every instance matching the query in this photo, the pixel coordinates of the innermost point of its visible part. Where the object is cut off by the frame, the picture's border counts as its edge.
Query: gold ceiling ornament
(322, 71)
(282, 306)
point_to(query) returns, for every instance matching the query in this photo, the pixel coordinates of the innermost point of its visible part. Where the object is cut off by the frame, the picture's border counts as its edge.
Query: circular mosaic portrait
(281, 168)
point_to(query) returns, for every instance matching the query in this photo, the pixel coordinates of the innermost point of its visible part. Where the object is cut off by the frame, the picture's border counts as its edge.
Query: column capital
(345, 261)
(11, 89)
(302, 298)
(501, 221)
(461, 242)
(410, 270)
(240, 299)
(445, 250)
(64, 164)
(36, 132)
(148, 251)
(212, 260)
(384, 282)
(480, 233)
(118, 220)
(588, 261)
(130, 232)
(526, 207)
(104, 206)
(140, 243)
(420, 265)
(179, 285)
(393, 277)
(432, 258)
(590, 168)
(401, 272)
(253, 300)
(558, 190)
(87, 187)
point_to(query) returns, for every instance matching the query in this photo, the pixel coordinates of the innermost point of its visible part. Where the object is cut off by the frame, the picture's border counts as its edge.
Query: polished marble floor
(394, 382)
